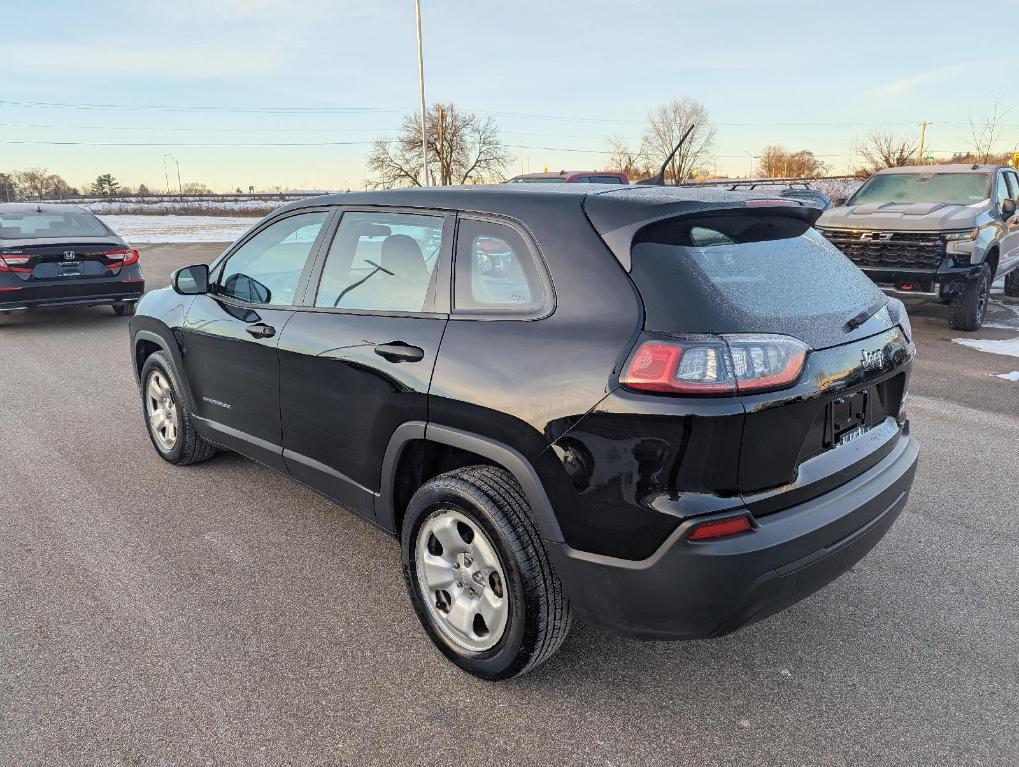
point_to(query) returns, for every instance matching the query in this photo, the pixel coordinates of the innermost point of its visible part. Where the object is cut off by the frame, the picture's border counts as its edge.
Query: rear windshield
(31, 225)
(950, 188)
(747, 273)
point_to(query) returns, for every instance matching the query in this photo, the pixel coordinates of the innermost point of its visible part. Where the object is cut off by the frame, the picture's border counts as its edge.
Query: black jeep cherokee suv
(670, 412)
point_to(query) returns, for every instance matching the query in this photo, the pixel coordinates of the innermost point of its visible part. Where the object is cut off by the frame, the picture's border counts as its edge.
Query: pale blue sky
(555, 75)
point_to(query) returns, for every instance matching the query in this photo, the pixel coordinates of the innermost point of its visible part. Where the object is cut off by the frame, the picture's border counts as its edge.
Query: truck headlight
(964, 236)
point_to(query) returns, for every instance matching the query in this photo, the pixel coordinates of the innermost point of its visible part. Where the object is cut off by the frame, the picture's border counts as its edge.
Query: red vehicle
(572, 177)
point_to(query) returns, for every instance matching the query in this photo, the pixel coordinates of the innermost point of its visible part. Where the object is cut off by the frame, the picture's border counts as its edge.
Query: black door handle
(400, 351)
(261, 330)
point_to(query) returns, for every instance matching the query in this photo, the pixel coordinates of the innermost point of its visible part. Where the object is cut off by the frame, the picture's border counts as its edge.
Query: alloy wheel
(462, 581)
(161, 410)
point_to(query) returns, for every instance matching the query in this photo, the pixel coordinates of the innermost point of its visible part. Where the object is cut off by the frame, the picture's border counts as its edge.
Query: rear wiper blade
(857, 320)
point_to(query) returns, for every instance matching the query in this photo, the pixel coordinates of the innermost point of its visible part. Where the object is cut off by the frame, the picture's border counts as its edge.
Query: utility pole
(421, 86)
(180, 186)
(441, 146)
(923, 133)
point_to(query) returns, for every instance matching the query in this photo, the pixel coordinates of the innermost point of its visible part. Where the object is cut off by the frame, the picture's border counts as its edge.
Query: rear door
(356, 361)
(747, 275)
(230, 334)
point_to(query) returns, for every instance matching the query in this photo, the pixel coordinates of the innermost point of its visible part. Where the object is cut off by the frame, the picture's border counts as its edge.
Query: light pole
(421, 87)
(180, 186)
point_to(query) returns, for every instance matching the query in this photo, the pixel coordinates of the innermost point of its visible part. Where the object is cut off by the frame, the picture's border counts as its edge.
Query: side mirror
(191, 280)
(1008, 207)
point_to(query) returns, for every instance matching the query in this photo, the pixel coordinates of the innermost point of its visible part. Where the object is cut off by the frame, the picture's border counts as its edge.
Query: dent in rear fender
(504, 455)
(627, 474)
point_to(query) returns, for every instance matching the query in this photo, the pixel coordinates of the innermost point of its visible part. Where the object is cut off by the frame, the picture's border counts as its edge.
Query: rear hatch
(764, 309)
(78, 258)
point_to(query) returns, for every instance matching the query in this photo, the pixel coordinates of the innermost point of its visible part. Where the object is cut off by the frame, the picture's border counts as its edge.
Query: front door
(231, 334)
(357, 361)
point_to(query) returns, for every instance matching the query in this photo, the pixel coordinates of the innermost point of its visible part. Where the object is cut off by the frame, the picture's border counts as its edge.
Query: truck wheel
(968, 308)
(1012, 284)
(478, 574)
(167, 418)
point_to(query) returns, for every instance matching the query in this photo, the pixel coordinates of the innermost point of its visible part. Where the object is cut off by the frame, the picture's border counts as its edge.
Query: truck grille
(916, 250)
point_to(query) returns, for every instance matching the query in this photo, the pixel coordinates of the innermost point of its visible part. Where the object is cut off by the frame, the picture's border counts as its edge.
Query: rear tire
(969, 306)
(167, 418)
(479, 510)
(1012, 284)
(124, 309)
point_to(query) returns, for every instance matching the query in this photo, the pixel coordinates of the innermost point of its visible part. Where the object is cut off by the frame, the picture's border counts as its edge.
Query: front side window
(381, 262)
(1004, 193)
(267, 268)
(495, 270)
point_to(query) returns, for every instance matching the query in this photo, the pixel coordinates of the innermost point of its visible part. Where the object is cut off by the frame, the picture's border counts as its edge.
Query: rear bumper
(691, 590)
(18, 295)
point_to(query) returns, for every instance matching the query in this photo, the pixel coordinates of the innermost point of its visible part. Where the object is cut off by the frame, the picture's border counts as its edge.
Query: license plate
(850, 435)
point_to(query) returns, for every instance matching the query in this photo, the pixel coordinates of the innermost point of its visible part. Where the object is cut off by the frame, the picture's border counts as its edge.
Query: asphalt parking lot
(224, 614)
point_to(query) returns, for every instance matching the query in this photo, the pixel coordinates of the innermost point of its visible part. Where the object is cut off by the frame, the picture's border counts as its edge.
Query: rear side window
(746, 272)
(605, 180)
(32, 225)
(496, 271)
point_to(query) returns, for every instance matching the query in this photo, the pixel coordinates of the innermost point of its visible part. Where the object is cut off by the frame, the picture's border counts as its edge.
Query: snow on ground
(1009, 346)
(163, 206)
(1013, 376)
(139, 229)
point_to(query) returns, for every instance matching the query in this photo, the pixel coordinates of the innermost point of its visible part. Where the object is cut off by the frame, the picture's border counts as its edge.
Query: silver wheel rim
(161, 410)
(462, 581)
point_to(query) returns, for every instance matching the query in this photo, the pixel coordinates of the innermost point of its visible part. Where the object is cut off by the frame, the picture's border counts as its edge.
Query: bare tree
(195, 187)
(623, 159)
(40, 183)
(666, 126)
(777, 162)
(883, 150)
(984, 133)
(463, 147)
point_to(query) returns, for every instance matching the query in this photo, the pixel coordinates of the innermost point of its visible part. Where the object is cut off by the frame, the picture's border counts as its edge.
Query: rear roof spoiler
(618, 224)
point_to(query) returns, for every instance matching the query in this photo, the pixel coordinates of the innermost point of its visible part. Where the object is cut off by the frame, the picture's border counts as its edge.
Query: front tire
(1012, 284)
(478, 574)
(968, 308)
(167, 418)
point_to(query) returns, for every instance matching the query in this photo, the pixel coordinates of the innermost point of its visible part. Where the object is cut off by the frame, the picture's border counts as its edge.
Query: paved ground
(224, 614)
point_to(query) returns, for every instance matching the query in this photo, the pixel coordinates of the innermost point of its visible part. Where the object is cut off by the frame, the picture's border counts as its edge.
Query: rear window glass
(29, 224)
(906, 188)
(740, 273)
(495, 270)
(605, 180)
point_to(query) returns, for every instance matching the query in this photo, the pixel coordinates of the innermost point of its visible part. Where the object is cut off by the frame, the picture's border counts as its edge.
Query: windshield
(33, 225)
(905, 188)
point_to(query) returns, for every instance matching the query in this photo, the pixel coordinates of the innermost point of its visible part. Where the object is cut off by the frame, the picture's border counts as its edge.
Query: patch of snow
(1009, 347)
(1013, 376)
(160, 229)
(999, 326)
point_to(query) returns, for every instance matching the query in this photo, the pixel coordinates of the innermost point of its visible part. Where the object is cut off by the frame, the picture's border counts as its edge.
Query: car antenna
(659, 180)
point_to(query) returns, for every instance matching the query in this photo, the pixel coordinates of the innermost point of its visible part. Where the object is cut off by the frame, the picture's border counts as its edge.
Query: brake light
(721, 528)
(718, 365)
(126, 257)
(15, 262)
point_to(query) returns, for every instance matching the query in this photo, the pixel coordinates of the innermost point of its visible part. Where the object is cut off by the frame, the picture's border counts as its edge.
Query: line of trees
(40, 184)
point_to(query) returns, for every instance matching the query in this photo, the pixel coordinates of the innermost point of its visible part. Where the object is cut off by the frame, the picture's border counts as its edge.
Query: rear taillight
(722, 528)
(126, 257)
(15, 262)
(718, 365)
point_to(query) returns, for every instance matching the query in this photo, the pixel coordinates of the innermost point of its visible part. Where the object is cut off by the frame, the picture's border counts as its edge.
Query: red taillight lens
(15, 262)
(126, 257)
(716, 366)
(722, 528)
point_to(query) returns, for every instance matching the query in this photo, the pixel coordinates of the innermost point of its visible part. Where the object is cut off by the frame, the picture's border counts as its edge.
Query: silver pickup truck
(942, 232)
